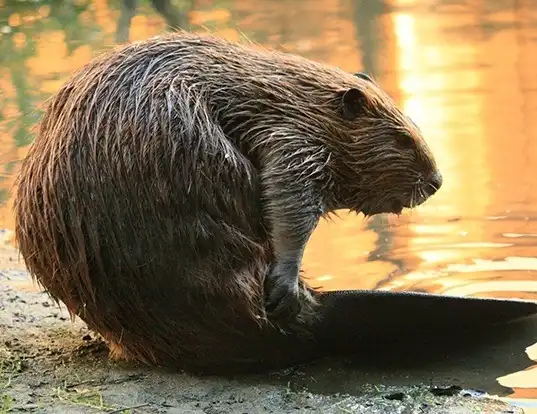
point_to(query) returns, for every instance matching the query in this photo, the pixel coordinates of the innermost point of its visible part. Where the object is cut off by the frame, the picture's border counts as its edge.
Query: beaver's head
(384, 163)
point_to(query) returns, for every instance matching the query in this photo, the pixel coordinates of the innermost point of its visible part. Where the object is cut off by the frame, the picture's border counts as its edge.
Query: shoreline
(51, 365)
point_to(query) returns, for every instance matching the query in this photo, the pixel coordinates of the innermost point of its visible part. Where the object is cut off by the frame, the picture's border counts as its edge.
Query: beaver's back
(136, 211)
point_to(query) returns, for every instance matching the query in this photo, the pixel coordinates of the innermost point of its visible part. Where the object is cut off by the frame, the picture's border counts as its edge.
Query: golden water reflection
(464, 71)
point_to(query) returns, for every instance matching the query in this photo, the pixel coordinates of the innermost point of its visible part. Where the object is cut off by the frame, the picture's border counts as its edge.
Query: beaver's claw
(282, 292)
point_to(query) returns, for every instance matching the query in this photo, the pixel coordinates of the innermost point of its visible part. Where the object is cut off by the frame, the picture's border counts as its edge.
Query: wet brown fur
(140, 206)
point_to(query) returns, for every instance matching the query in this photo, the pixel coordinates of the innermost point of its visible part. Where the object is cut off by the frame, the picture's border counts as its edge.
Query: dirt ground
(50, 365)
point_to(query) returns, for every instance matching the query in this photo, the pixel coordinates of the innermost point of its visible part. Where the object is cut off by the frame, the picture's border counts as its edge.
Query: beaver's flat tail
(360, 322)
(356, 319)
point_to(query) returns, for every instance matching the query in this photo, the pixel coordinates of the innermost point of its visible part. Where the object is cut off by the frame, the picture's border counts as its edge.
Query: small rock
(399, 396)
(449, 391)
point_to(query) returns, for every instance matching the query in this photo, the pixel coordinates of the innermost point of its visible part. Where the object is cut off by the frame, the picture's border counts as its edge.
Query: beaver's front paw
(282, 292)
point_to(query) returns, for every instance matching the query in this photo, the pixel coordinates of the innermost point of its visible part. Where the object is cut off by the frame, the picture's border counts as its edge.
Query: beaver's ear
(352, 103)
(363, 76)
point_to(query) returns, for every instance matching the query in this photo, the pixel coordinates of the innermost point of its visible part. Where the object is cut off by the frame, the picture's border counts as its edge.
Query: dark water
(466, 71)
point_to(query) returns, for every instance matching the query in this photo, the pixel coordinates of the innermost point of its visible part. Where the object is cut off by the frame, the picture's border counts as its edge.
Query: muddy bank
(50, 365)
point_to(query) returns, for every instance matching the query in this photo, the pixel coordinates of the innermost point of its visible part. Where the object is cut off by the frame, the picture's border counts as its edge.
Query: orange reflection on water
(437, 98)
(458, 112)
(523, 383)
(338, 251)
(478, 125)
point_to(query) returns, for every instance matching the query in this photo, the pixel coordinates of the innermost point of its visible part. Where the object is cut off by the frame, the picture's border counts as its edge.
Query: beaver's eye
(363, 76)
(406, 141)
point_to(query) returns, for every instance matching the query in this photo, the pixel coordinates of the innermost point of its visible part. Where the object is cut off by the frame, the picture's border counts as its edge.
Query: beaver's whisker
(435, 188)
(421, 193)
(413, 197)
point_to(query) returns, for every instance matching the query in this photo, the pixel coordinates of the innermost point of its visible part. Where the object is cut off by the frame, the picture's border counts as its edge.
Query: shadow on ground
(50, 365)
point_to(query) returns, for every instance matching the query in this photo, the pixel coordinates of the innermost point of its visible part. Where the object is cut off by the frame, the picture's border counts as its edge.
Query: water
(465, 71)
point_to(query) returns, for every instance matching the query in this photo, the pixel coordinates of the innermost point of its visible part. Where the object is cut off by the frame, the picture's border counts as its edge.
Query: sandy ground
(50, 365)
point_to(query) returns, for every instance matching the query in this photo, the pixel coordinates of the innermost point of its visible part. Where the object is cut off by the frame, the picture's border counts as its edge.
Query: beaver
(174, 183)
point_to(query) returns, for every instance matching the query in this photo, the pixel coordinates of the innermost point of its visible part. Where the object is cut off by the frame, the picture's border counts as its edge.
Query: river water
(465, 71)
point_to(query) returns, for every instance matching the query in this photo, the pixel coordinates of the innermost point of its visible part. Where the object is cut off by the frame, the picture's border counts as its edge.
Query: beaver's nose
(434, 182)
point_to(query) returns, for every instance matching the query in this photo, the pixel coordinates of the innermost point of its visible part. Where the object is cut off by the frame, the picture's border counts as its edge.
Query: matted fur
(139, 204)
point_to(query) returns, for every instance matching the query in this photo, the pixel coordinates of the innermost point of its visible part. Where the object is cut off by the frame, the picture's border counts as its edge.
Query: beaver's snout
(427, 188)
(420, 192)
(433, 184)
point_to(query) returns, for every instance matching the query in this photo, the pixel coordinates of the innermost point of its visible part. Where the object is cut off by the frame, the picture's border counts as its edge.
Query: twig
(131, 377)
(76, 384)
(128, 408)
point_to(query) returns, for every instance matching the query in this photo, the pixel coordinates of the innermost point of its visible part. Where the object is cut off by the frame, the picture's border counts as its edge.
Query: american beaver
(174, 183)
